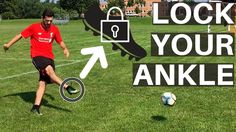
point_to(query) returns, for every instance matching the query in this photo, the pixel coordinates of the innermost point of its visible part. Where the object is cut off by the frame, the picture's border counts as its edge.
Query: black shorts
(41, 63)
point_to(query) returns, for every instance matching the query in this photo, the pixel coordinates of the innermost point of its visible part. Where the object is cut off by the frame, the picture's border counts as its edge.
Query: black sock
(36, 106)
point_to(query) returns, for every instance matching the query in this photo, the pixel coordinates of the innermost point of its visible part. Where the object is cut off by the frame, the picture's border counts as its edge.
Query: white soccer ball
(168, 98)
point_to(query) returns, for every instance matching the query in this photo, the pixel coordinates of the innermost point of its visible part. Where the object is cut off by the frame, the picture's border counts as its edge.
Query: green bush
(8, 15)
(74, 15)
(137, 10)
(149, 13)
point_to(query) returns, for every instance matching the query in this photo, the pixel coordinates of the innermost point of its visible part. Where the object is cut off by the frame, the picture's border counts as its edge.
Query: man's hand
(5, 47)
(66, 52)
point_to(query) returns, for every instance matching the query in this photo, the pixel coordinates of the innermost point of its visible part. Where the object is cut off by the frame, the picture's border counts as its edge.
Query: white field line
(62, 65)
(22, 59)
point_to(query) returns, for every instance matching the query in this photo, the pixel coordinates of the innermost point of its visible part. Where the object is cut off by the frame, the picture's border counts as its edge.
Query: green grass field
(110, 103)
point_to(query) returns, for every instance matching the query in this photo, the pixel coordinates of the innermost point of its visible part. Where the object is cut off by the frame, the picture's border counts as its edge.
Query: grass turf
(110, 103)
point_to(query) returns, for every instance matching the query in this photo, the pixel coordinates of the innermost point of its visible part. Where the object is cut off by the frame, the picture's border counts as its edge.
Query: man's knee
(41, 83)
(49, 70)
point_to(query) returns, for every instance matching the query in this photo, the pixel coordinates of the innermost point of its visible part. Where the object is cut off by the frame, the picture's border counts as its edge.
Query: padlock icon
(115, 30)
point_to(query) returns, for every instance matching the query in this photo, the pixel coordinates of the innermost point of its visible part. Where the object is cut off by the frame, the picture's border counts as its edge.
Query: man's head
(47, 18)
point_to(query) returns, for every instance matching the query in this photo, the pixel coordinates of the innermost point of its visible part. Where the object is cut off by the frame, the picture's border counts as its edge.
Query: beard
(47, 25)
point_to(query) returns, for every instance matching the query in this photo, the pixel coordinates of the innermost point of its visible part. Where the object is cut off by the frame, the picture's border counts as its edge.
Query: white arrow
(97, 53)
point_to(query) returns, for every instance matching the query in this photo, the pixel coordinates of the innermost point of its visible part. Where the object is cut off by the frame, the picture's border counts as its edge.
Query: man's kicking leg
(51, 73)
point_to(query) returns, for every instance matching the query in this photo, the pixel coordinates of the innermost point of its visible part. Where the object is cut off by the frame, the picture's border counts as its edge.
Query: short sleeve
(27, 32)
(58, 36)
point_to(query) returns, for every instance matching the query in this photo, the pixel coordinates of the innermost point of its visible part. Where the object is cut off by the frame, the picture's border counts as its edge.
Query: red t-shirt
(41, 40)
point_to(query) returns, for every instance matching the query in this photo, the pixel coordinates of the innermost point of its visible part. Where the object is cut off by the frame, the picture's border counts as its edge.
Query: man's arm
(65, 50)
(14, 40)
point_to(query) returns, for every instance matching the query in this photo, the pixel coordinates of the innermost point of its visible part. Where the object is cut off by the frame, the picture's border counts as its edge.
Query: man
(42, 36)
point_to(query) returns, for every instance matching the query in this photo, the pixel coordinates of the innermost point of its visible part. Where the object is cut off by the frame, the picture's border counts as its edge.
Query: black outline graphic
(92, 22)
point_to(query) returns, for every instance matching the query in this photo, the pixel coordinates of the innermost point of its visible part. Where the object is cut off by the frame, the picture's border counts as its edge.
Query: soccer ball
(168, 98)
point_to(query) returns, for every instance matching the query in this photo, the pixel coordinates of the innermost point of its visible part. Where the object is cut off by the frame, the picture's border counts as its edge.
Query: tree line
(23, 9)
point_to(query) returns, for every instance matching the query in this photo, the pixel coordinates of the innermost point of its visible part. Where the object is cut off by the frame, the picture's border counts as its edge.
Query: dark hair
(48, 13)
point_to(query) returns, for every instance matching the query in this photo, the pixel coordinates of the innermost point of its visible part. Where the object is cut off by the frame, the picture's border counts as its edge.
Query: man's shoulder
(35, 24)
(54, 26)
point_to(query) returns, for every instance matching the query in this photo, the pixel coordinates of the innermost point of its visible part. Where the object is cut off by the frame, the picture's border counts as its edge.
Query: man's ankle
(35, 106)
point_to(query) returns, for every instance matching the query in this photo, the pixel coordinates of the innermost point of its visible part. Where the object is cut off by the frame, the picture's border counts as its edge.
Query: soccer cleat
(71, 90)
(92, 22)
(36, 111)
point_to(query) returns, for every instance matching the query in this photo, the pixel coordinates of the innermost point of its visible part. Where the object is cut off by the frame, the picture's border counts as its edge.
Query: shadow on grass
(158, 118)
(30, 96)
